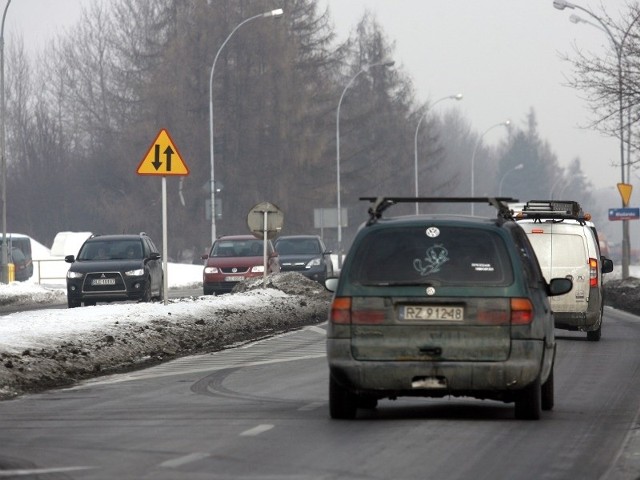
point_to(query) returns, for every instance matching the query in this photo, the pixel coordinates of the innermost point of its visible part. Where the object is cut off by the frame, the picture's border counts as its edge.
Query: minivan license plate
(439, 312)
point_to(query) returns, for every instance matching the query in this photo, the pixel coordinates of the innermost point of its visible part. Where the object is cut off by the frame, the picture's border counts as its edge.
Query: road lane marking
(177, 462)
(40, 471)
(252, 432)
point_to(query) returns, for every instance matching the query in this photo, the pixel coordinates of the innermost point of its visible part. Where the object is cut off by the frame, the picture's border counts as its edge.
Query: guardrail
(50, 270)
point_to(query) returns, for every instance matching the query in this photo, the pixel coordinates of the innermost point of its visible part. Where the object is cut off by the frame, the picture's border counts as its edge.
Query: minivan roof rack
(559, 210)
(380, 204)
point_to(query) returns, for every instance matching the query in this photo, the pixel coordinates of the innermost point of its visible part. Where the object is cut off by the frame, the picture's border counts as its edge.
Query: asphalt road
(260, 412)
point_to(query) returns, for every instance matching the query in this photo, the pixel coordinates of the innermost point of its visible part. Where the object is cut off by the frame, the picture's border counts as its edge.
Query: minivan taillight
(593, 272)
(342, 313)
(341, 310)
(521, 311)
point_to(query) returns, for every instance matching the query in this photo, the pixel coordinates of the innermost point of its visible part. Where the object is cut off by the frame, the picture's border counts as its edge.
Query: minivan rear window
(439, 255)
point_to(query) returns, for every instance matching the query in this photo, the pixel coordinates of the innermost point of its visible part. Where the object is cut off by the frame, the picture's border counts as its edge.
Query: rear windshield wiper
(403, 283)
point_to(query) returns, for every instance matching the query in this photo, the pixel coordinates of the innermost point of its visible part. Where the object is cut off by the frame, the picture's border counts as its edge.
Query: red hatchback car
(234, 258)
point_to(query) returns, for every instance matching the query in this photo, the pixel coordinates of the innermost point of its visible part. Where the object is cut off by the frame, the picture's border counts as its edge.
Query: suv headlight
(71, 274)
(257, 269)
(316, 262)
(138, 272)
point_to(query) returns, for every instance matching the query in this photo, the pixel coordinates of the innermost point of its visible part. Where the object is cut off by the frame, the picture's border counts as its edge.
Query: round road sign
(258, 223)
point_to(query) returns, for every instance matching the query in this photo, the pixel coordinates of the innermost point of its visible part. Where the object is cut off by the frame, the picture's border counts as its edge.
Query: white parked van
(566, 244)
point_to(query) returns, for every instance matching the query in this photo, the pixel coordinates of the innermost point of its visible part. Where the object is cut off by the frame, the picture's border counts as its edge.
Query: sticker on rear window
(482, 267)
(435, 257)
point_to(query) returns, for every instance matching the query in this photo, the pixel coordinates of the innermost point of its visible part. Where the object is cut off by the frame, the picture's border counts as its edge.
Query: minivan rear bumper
(476, 379)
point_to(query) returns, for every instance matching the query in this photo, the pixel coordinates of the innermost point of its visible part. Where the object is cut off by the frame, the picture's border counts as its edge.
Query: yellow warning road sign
(625, 192)
(163, 158)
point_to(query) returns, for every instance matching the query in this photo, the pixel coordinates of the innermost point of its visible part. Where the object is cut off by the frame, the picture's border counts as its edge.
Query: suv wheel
(146, 295)
(160, 295)
(73, 303)
(342, 403)
(529, 401)
(548, 392)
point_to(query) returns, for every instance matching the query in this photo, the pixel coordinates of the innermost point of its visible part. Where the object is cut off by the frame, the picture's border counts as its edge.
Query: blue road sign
(624, 213)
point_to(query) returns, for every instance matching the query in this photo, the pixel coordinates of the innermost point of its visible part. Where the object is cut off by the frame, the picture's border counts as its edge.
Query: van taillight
(341, 310)
(593, 272)
(521, 311)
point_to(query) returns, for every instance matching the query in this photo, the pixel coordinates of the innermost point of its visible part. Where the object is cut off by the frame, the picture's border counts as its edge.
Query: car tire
(73, 303)
(146, 295)
(529, 401)
(595, 335)
(160, 295)
(368, 403)
(207, 291)
(548, 392)
(342, 403)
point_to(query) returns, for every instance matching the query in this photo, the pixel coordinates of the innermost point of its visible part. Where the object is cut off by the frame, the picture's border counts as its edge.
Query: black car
(441, 305)
(115, 268)
(305, 254)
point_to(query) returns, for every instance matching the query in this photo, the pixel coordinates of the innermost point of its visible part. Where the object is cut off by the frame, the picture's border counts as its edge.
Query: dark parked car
(115, 268)
(234, 258)
(438, 306)
(22, 265)
(305, 254)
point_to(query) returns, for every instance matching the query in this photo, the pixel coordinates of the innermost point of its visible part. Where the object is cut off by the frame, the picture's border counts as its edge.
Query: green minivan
(441, 305)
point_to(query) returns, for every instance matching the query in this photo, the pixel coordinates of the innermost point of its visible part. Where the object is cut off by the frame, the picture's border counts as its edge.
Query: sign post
(265, 221)
(163, 159)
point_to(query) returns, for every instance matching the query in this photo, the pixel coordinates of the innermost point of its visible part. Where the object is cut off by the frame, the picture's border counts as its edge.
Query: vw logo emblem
(234, 270)
(431, 291)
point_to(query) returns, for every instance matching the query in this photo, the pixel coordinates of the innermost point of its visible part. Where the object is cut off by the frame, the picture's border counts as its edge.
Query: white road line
(311, 406)
(40, 471)
(177, 462)
(252, 432)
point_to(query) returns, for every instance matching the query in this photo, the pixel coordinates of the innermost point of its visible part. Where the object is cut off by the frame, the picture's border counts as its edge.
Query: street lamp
(364, 69)
(415, 141)
(506, 123)
(618, 47)
(5, 259)
(555, 184)
(278, 12)
(520, 166)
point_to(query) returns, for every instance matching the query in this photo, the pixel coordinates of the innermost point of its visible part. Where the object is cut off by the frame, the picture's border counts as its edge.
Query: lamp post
(364, 69)
(415, 141)
(506, 123)
(278, 12)
(555, 184)
(618, 47)
(520, 166)
(5, 259)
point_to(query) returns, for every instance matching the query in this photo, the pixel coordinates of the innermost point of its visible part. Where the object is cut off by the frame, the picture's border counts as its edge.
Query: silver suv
(441, 305)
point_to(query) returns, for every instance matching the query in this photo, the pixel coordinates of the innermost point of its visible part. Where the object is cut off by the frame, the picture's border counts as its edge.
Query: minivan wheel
(342, 403)
(594, 335)
(548, 392)
(529, 402)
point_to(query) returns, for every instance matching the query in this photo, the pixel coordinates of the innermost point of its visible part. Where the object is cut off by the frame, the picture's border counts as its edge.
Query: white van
(566, 244)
